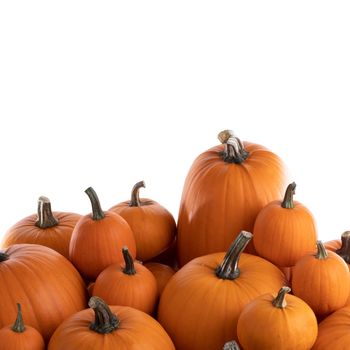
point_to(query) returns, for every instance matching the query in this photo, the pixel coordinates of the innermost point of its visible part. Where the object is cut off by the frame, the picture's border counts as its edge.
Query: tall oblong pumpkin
(223, 193)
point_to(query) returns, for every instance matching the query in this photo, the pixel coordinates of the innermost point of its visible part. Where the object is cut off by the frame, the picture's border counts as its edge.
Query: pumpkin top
(45, 217)
(97, 212)
(129, 268)
(288, 197)
(321, 251)
(280, 301)
(344, 250)
(18, 326)
(234, 151)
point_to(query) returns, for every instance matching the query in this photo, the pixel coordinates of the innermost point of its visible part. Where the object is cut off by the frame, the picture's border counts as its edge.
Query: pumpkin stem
(231, 345)
(280, 300)
(97, 212)
(105, 321)
(234, 151)
(229, 266)
(344, 250)
(45, 216)
(129, 268)
(18, 326)
(288, 197)
(3, 256)
(321, 251)
(135, 197)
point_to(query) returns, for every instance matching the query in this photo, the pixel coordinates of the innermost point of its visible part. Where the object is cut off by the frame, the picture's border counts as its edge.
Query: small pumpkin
(322, 280)
(161, 272)
(284, 230)
(104, 328)
(272, 322)
(98, 238)
(131, 284)
(20, 337)
(51, 229)
(153, 226)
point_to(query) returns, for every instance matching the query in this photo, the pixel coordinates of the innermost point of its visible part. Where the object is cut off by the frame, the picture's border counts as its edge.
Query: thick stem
(344, 250)
(45, 216)
(3, 256)
(129, 268)
(135, 197)
(229, 267)
(321, 251)
(105, 321)
(231, 345)
(97, 212)
(234, 151)
(18, 326)
(288, 197)
(280, 300)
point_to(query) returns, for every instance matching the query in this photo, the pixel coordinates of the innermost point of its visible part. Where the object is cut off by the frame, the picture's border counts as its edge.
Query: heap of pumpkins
(242, 268)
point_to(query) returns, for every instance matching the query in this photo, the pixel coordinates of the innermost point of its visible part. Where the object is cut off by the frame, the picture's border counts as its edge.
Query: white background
(107, 93)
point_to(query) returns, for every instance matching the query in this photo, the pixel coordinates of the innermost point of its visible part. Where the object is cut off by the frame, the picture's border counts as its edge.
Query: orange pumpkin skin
(161, 272)
(153, 226)
(283, 235)
(55, 235)
(137, 331)
(200, 310)
(263, 326)
(333, 331)
(322, 282)
(220, 199)
(137, 289)
(96, 243)
(45, 283)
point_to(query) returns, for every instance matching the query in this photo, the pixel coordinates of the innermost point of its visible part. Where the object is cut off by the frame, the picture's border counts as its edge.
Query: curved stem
(129, 268)
(234, 151)
(280, 300)
(135, 197)
(45, 216)
(97, 212)
(3, 256)
(229, 267)
(18, 326)
(321, 251)
(231, 345)
(105, 321)
(344, 250)
(288, 197)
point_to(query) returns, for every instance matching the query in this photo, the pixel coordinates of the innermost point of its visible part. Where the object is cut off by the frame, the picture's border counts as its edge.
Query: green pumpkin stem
(3, 256)
(45, 216)
(288, 197)
(229, 266)
(18, 326)
(344, 250)
(129, 268)
(97, 212)
(135, 197)
(321, 251)
(234, 151)
(231, 345)
(280, 300)
(105, 321)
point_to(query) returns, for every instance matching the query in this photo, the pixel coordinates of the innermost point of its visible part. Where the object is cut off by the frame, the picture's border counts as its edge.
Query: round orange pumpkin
(284, 231)
(45, 283)
(107, 328)
(153, 226)
(224, 191)
(272, 322)
(20, 337)
(131, 284)
(98, 238)
(200, 305)
(51, 229)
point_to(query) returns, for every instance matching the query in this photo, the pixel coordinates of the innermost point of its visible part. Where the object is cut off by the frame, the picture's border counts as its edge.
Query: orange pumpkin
(153, 226)
(161, 272)
(106, 328)
(98, 238)
(51, 229)
(272, 322)
(200, 305)
(224, 191)
(341, 247)
(284, 231)
(20, 337)
(130, 285)
(45, 283)
(322, 280)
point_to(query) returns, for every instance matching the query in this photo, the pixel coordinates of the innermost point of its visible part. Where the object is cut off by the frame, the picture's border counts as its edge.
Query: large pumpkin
(109, 328)
(45, 283)
(224, 191)
(200, 305)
